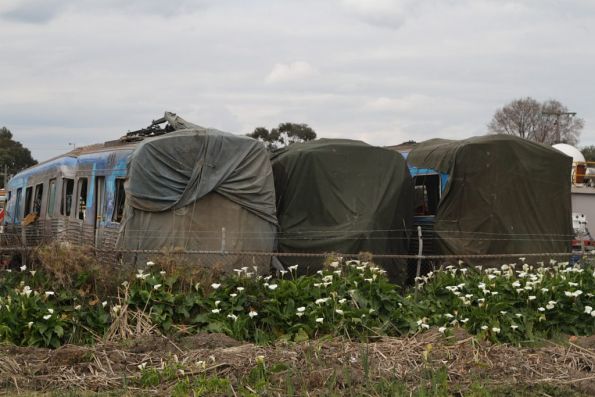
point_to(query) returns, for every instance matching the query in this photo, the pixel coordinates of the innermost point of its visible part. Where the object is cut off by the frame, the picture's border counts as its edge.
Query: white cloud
(282, 72)
(85, 71)
(418, 104)
(390, 104)
(385, 13)
(43, 11)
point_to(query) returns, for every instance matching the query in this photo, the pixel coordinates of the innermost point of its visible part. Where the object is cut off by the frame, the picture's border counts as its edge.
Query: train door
(99, 206)
(67, 193)
(427, 194)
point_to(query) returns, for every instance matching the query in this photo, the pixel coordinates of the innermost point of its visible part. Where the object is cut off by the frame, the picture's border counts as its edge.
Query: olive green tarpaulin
(505, 195)
(174, 170)
(338, 195)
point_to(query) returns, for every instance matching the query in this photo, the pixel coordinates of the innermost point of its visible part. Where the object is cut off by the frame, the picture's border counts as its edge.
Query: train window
(66, 201)
(51, 198)
(5, 202)
(17, 204)
(82, 198)
(37, 198)
(99, 199)
(427, 194)
(119, 201)
(28, 200)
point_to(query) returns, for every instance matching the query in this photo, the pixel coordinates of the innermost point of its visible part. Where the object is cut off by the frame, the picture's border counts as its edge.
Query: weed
(346, 298)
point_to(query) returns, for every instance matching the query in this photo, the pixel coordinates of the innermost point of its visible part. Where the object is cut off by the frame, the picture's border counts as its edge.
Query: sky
(76, 72)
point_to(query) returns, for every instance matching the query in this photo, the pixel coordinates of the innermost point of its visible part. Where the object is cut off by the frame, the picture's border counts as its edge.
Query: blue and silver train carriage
(78, 197)
(182, 187)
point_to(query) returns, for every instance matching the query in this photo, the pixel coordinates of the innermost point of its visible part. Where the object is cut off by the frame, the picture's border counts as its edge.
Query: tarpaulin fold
(199, 189)
(173, 170)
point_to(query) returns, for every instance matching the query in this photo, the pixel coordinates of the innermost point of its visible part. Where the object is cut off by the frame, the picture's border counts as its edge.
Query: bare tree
(549, 122)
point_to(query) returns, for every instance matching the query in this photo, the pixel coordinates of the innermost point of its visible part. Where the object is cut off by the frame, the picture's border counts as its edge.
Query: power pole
(558, 115)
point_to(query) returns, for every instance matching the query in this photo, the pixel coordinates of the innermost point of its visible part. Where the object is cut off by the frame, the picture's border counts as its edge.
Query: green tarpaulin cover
(176, 169)
(504, 195)
(338, 195)
(200, 189)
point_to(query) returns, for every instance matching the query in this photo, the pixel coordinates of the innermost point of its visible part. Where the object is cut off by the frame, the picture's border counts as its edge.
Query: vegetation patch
(512, 303)
(426, 364)
(343, 330)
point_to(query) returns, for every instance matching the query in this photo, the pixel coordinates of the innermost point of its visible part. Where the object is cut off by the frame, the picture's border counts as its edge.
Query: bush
(509, 304)
(348, 298)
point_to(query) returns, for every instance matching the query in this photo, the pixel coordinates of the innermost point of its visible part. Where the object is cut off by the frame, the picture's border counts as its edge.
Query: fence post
(24, 245)
(222, 240)
(420, 249)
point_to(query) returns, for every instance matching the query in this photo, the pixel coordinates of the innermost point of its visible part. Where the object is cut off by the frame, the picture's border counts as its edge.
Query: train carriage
(182, 187)
(493, 194)
(78, 197)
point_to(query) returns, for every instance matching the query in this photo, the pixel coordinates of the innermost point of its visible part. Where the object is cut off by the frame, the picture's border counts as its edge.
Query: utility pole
(558, 115)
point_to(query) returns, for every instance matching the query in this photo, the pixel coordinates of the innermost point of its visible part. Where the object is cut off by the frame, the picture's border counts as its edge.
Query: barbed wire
(216, 243)
(331, 232)
(316, 233)
(183, 238)
(238, 237)
(308, 254)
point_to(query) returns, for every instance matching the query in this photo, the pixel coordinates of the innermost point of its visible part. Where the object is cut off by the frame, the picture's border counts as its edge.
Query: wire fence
(307, 254)
(221, 246)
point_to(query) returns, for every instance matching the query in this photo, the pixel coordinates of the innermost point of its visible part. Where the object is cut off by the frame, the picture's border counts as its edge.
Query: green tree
(283, 135)
(546, 122)
(589, 152)
(13, 155)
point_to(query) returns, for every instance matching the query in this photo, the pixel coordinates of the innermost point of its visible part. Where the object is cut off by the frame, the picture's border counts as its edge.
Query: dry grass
(70, 266)
(65, 263)
(190, 270)
(112, 366)
(127, 324)
(62, 261)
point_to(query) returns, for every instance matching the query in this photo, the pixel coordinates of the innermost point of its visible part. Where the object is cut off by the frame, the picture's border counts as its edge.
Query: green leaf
(59, 330)
(216, 327)
(202, 318)
(41, 327)
(301, 336)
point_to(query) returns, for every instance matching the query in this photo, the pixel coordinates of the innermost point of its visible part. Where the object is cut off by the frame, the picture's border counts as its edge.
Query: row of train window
(427, 196)
(34, 199)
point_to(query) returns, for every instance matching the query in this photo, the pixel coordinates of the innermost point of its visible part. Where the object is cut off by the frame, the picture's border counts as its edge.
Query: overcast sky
(86, 71)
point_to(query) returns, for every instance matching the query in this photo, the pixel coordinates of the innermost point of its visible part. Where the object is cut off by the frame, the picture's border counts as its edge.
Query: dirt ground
(116, 365)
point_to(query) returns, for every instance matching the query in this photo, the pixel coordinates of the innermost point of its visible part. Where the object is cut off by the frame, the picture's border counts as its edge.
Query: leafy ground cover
(512, 303)
(460, 328)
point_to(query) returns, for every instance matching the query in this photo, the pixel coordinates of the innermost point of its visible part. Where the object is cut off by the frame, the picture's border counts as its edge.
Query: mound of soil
(111, 366)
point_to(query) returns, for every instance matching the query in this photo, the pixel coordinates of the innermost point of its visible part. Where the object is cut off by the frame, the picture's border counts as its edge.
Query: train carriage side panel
(65, 190)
